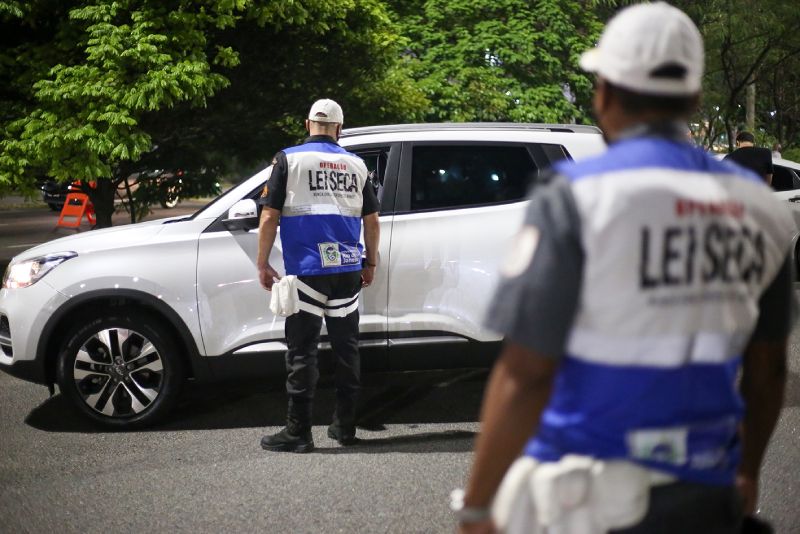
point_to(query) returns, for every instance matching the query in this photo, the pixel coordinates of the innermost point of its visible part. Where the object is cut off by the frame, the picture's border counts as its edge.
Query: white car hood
(94, 240)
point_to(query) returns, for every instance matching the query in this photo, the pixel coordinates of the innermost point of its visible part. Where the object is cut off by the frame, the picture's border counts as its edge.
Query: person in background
(627, 317)
(749, 156)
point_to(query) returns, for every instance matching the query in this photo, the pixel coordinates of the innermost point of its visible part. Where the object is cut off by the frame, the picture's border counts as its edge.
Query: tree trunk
(731, 136)
(102, 198)
(750, 111)
(131, 203)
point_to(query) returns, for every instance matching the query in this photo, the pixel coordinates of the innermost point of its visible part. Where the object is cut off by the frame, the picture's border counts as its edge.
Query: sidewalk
(12, 202)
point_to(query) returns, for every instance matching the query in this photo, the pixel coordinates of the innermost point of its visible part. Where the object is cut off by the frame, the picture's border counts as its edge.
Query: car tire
(55, 207)
(170, 198)
(797, 261)
(122, 370)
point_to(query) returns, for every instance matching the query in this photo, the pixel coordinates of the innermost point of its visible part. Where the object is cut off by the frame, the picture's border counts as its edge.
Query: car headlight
(28, 272)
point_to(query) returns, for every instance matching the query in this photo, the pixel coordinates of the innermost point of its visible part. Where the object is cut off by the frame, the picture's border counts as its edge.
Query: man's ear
(308, 126)
(338, 131)
(602, 97)
(696, 99)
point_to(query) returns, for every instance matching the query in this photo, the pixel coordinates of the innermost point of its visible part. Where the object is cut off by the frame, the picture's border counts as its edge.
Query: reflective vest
(321, 217)
(678, 249)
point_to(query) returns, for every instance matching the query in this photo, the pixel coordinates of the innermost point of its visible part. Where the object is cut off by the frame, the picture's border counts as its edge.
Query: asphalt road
(203, 470)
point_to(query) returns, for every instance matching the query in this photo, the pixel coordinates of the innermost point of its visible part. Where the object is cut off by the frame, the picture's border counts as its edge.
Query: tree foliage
(748, 42)
(499, 60)
(104, 69)
(98, 90)
(348, 52)
(105, 89)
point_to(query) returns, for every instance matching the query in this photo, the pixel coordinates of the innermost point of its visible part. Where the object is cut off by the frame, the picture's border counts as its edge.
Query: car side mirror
(242, 216)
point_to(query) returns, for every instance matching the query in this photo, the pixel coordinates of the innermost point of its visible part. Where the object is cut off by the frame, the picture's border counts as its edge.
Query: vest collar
(320, 139)
(670, 130)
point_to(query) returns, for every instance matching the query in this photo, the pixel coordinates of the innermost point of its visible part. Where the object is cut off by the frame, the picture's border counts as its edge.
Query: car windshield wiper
(181, 219)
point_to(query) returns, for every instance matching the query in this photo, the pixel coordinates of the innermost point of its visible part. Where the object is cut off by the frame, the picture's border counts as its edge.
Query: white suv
(120, 317)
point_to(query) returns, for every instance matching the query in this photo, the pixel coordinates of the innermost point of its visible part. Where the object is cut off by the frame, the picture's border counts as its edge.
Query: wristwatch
(466, 514)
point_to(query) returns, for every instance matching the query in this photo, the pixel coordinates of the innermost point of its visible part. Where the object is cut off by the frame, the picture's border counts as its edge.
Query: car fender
(63, 319)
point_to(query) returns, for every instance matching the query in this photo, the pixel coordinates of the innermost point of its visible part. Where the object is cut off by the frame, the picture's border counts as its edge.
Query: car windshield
(239, 189)
(214, 201)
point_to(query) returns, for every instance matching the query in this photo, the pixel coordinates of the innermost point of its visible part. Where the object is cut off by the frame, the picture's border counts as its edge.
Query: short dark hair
(746, 137)
(635, 103)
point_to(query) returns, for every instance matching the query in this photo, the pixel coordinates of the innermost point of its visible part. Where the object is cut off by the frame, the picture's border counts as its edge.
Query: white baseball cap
(326, 110)
(649, 48)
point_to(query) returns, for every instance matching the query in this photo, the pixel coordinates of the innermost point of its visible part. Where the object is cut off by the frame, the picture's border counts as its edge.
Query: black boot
(289, 440)
(345, 435)
(343, 428)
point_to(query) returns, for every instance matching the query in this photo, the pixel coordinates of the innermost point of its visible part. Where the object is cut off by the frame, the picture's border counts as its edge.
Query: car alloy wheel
(171, 197)
(122, 371)
(118, 372)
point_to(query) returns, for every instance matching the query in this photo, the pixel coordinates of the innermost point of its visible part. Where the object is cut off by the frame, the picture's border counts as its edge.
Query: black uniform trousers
(302, 338)
(689, 508)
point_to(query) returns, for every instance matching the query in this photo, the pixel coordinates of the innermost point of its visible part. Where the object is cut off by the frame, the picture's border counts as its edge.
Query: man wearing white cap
(320, 194)
(642, 281)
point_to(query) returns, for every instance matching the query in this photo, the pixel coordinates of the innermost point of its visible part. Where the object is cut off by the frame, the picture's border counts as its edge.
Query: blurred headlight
(28, 272)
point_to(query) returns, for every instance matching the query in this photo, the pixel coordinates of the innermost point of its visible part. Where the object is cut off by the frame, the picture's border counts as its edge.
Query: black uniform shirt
(758, 160)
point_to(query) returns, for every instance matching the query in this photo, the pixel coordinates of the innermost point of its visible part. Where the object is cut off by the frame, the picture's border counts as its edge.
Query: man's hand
(748, 490)
(367, 275)
(267, 276)
(478, 527)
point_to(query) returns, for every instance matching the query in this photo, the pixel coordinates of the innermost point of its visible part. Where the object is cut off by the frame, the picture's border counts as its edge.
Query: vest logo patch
(667, 445)
(329, 252)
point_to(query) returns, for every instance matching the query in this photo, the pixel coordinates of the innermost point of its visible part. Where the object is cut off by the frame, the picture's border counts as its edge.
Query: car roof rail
(444, 126)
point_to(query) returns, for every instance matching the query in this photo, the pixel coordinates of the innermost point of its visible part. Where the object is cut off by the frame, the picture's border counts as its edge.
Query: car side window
(376, 160)
(449, 176)
(784, 179)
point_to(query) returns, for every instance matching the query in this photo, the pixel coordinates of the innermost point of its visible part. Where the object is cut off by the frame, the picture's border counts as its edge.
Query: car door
(786, 183)
(458, 206)
(234, 313)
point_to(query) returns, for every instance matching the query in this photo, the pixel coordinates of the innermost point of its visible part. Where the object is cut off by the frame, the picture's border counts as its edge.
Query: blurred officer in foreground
(320, 194)
(640, 283)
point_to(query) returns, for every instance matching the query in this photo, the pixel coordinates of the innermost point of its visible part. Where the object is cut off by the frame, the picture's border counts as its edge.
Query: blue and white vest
(678, 249)
(321, 217)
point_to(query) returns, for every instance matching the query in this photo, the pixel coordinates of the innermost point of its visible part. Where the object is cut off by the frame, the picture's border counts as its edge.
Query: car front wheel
(121, 370)
(170, 198)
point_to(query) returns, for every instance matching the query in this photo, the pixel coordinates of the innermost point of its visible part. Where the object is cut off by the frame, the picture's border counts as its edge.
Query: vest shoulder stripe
(324, 148)
(642, 153)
